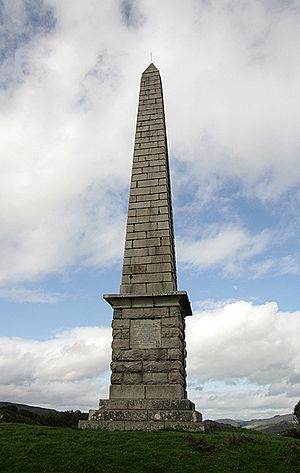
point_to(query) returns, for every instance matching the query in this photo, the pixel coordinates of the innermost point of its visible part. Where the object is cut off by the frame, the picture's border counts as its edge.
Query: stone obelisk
(148, 379)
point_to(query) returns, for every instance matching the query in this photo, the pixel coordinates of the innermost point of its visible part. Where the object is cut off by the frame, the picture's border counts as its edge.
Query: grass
(27, 448)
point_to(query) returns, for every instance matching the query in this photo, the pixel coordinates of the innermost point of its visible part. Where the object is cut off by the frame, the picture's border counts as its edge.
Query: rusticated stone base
(145, 426)
(144, 414)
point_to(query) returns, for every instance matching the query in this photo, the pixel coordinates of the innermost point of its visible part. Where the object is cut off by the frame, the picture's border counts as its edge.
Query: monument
(148, 369)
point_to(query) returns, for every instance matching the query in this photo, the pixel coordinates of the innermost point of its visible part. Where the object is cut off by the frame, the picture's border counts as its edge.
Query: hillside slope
(273, 425)
(28, 449)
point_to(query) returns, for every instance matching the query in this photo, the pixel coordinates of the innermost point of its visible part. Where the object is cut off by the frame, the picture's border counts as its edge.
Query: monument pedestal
(148, 381)
(144, 414)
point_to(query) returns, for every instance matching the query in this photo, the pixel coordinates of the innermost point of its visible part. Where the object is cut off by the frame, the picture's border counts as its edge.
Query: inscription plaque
(145, 333)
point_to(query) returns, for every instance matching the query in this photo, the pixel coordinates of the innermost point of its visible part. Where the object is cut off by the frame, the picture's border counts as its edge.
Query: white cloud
(254, 344)
(67, 125)
(241, 402)
(67, 371)
(235, 94)
(228, 247)
(289, 264)
(33, 296)
(243, 361)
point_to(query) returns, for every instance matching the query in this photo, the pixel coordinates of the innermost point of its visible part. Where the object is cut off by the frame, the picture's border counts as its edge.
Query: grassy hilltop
(31, 448)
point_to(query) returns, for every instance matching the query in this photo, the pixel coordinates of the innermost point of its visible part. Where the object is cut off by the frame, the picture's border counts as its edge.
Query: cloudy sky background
(69, 78)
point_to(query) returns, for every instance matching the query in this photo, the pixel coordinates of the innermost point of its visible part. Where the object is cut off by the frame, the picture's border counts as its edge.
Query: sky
(69, 80)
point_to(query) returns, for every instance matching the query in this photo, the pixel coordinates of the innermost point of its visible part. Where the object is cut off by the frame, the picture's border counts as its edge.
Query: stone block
(170, 322)
(148, 278)
(134, 269)
(162, 250)
(140, 259)
(116, 378)
(113, 404)
(162, 217)
(119, 343)
(176, 378)
(130, 366)
(91, 413)
(139, 205)
(159, 268)
(117, 333)
(135, 235)
(122, 414)
(145, 313)
(116, 355)
(169, 332)
(147, 197)
(144, 426)
(133, 289)
(161, 258)
(138, 404)
(138, 176)
(143, 190)
(126, 261)
(143, 303)
(162, 366)
(125, 333)
(101, 425)
(165, 240)
(148, 182)
(127, 392)
(137, 252)
(128, 244)
(146, 242)
(170, 404)
(158, 189)
(145, 227)
(155, 378)
(163, 225)
(156, 174)
(132, 378)
(142, 212)
(162, 287)
(159, 162)
(175, 354)
(164, 210)
(158, 233)
(145, 333)
(175, 311)
(151, 354)
(153, 169)
(165, 392)
(173, 342)
(172, 416)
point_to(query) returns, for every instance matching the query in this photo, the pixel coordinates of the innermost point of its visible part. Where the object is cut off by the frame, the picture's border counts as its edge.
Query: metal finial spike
(151, 56)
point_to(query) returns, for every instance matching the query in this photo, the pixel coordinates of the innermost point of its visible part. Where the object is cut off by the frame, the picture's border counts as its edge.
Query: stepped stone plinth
(148, 368)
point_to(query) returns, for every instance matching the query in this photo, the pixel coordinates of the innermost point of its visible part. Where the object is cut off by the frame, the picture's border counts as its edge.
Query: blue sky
(69, 86)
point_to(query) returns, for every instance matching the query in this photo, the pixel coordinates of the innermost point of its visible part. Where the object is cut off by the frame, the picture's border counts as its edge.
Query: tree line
(70, 418)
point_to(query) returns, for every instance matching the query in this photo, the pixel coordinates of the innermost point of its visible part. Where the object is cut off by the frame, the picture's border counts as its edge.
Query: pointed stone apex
(151, 68)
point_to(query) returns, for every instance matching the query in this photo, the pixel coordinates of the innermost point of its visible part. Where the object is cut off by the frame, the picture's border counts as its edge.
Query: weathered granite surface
(148, 367)
(149, 258)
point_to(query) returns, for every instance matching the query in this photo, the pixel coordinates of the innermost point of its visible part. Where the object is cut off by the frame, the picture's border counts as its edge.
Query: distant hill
(232, 422)
(25, 407)
(24, 414)
(34, 415)
(273, 425)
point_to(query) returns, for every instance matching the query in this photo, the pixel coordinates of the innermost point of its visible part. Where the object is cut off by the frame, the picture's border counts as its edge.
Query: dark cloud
(131, 16)
(20, 23)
